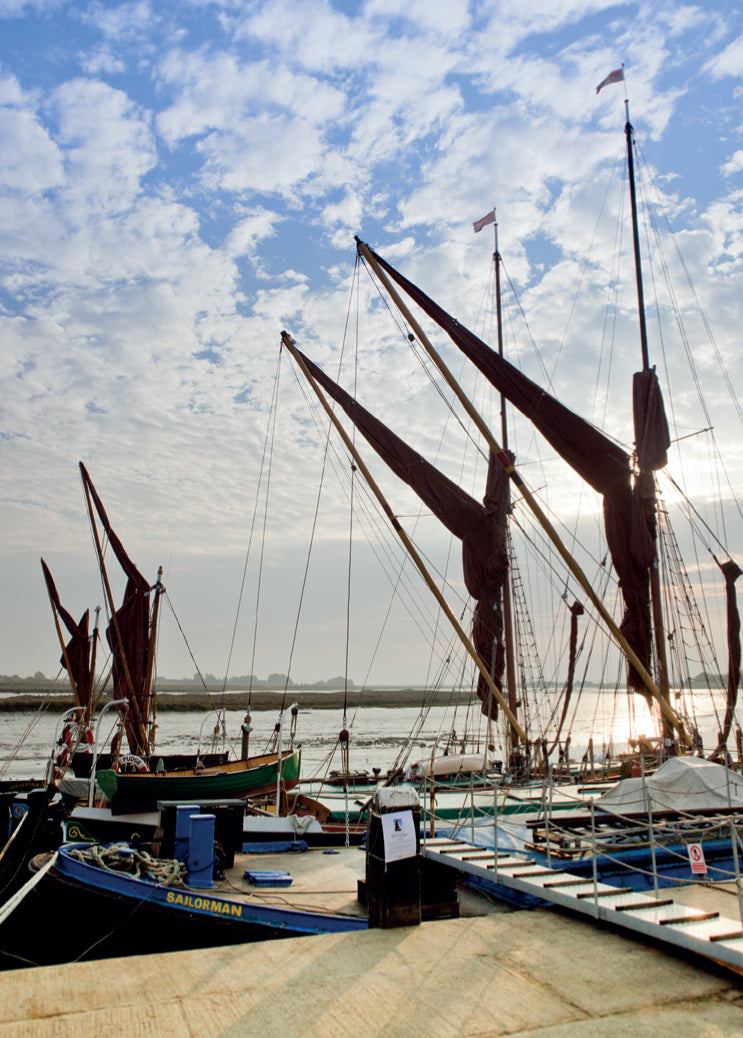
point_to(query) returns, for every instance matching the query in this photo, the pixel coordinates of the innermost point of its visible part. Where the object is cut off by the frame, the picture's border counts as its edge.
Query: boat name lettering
(206, 904)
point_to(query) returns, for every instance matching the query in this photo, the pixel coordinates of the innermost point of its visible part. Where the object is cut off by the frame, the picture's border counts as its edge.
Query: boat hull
(110, 914)
(236, 779)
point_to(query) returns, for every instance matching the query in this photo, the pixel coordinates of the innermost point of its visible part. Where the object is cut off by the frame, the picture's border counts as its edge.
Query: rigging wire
(267, 453)
(651, 223)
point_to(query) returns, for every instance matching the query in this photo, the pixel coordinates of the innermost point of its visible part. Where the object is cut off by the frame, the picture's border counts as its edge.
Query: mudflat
(263, 699)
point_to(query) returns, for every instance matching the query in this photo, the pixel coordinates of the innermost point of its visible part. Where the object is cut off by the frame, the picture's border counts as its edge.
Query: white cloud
(17, 8)
(249, 232)
(108, 143)
(733, 165)
(163, 217)
(127, 21)
(217, 91)
(269, 154)
(729, 62)
(445, 17)
(315, 36)
(100, 62)
(32, 161)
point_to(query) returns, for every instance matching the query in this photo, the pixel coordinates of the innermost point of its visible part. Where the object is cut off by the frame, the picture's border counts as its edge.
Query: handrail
(94, 766)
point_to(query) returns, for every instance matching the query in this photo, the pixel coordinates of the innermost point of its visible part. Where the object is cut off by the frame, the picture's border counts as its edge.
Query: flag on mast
(617, 76)
(479, 224)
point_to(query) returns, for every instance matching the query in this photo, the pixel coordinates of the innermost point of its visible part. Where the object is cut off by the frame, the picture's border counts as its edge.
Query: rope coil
(122, 858)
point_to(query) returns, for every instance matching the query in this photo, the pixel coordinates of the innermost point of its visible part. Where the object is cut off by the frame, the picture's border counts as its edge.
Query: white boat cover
(395, 798)
(681, 784)
(78, 787)
(456, 764)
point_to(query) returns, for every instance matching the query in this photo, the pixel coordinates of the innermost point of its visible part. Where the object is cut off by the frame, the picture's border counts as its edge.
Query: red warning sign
(696, 857)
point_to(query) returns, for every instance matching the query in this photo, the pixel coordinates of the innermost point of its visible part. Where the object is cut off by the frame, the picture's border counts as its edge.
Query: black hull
(40, 831)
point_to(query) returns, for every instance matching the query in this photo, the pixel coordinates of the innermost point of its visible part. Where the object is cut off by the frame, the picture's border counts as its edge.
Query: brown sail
(480, 527)
(731, 571)
(128, 635)
(76, 657)
(597, 459)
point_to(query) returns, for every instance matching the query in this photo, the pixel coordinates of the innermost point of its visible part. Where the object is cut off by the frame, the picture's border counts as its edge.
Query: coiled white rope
(121, 857)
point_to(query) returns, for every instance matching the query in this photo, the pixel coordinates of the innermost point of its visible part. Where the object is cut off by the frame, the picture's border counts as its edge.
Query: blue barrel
(183, 815)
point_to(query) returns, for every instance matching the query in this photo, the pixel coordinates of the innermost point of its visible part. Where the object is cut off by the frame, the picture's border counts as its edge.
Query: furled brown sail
(731, 571)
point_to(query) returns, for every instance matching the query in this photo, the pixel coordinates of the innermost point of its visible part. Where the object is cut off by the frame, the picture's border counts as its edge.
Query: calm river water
(377, 733)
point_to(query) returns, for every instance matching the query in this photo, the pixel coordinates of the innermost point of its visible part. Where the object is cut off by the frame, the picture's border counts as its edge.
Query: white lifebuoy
(131, 762)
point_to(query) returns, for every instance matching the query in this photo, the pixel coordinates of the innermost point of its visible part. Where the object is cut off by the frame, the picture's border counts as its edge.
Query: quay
(492, 971)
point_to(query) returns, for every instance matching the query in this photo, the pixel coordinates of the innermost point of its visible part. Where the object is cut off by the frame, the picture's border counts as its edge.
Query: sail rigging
(638, 669)
(598, 460)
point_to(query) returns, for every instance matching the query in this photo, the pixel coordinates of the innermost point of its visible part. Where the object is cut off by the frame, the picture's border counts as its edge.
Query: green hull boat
(235, 779)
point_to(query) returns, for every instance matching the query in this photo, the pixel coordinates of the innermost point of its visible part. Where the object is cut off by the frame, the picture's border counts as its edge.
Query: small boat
(194, 886)
(238, 778)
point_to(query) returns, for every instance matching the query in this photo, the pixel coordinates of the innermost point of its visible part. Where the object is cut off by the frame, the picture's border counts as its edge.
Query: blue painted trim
(183, 900)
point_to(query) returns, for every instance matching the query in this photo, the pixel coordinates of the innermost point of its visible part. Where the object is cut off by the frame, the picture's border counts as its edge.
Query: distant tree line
(243, 681)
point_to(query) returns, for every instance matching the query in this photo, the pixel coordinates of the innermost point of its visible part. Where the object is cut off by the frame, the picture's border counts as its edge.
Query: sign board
(696, 857)
(398, 829)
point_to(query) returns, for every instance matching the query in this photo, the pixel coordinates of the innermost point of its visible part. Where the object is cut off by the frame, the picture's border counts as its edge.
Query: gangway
(661, 918)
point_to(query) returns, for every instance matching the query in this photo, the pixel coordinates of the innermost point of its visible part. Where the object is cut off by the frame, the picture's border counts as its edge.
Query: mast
(656, 602)
(507, 601)
(93, 651)
(527, 496)
(147, 697)
(629, 132)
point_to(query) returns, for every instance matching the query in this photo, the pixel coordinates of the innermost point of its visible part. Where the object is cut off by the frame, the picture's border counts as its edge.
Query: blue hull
(114, 914)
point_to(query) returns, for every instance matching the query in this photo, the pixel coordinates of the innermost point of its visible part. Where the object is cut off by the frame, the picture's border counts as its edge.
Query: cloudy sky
(180, 181)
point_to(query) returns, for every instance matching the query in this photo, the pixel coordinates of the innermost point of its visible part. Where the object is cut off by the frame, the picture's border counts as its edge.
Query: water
(376, 736)
(377, 733)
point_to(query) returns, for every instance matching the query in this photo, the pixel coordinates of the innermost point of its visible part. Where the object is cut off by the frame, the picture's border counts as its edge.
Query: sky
(180, 181)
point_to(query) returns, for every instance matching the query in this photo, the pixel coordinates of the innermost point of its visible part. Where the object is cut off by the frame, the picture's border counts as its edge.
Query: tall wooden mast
(508, 634)
(669, 741)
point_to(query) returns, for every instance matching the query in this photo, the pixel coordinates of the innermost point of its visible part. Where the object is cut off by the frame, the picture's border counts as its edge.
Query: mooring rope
(122, 858)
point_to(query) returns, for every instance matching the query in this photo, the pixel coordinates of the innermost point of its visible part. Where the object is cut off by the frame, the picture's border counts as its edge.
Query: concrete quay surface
(523, 973)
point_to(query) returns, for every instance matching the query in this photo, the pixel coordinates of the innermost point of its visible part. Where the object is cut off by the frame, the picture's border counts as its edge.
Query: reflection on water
(377, 733)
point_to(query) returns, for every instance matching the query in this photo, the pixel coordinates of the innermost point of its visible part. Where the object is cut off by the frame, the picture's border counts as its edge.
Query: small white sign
(696, 857)
(398, 829)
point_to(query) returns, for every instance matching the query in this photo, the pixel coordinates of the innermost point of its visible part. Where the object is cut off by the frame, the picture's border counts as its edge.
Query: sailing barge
(132, 775)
